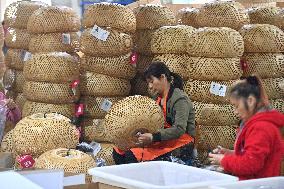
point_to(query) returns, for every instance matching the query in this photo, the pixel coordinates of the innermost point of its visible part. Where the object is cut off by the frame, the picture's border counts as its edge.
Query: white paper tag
(96, 148)
(106, 105)
(66, 38)
(26, 55)
(100, 33)
(218, 89)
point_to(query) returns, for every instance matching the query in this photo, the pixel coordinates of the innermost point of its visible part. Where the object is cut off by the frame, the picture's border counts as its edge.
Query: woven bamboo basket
(142, 41)
(209, 69)
(216, 43)
(200, 91)
(20, 100)
(111, 15)
(31, 108)
(171, 39)
(53, 42)
(188, 16)
(265, 65)
(279, 19)
(70, 160)
(93, 105)
(209, 137)
(19, 82)
(214, 114)
(222, 14)
(132, 115)
(52, 19)
(139, 86)
(106, 153)
(153, 17)
(94, 130)
(2, 58)
(278, 104)
(17, 39)
(273, 88)
(7, 144)
(14, 59)
(53, 93)
(9, 126)
(17, 14)
(52, 67)
(117, 66)
(262, 38)
(143, 62)
(177, 63)
(1, 36)
(263, 15)
(116, 44)
(39, 133)
(11, 94)
(93, 84)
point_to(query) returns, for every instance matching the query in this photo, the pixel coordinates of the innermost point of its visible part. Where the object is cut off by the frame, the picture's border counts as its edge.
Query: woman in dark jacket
(177, 136)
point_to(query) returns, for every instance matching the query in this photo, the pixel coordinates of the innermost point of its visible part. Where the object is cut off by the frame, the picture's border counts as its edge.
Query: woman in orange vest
(176, 139)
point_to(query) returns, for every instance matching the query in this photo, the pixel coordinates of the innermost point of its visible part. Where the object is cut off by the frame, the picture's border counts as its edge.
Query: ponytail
(176, 81)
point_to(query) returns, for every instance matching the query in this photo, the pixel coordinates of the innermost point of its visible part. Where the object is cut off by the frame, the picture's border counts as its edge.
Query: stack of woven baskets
(2, 67)
(149, 19)
(17, 40)
(213, 67)
(106, 65)
(264, 46)
(52, 73)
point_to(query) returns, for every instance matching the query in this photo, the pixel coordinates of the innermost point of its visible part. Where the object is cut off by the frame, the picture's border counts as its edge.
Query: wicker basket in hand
(132, 115)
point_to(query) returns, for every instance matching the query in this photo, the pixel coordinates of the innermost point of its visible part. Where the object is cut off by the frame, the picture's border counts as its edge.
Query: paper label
(218, 89)
(74, 86)
(100, 33)
(106, 105)
(66, 38)
(26, 161)
(79, 110)
(26, 56)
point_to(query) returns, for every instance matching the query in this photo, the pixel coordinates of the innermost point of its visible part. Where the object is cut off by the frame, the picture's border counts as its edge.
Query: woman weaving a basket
(259, 147)
(176, 138)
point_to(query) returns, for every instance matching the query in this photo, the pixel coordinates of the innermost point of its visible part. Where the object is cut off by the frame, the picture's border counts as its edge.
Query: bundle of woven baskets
(52, 70)
(161, 20)
(106, 67)
(17, 39)
(264, 57)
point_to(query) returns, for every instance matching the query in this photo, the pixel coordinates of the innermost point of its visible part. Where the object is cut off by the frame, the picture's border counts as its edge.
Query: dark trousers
(184, 153)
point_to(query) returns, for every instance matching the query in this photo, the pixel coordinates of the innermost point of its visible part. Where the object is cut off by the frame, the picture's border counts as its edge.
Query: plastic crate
(265, 183)
(157, 175)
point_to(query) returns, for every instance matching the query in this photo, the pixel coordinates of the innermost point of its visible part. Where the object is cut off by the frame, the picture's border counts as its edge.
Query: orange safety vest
(157, 149)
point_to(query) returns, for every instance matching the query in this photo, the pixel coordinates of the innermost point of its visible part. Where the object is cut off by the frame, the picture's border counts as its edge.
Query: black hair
(156, 69)
(250, 85)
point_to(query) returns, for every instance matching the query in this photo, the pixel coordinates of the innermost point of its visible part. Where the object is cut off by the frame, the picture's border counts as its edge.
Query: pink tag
(26, 161)
(74, 86)
(79, 110)
(244, 64)
(134, 59)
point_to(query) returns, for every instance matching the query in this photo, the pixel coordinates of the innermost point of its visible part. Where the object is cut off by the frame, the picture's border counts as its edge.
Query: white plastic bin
(266, 183)
(157, 175)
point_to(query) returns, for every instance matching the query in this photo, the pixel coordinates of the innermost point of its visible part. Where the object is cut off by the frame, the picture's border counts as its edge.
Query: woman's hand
(144, 139)
(221, 150)
(215, 159)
